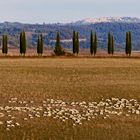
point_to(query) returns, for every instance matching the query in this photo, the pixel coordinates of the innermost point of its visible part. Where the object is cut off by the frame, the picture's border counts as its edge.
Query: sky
(64, 11)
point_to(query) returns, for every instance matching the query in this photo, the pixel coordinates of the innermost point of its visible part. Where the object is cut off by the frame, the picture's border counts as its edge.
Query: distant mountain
(117, 26)
(107, 20)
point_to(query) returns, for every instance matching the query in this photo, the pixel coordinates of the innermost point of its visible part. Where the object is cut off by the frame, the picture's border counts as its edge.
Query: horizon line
(67, 22)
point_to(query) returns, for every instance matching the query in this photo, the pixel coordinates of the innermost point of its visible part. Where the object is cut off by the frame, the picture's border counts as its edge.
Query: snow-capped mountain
(107, 20)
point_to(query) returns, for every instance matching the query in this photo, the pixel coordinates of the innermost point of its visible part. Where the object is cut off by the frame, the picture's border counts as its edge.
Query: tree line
(75, 46)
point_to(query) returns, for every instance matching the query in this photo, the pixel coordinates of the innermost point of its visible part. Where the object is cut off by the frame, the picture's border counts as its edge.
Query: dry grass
(71, 80)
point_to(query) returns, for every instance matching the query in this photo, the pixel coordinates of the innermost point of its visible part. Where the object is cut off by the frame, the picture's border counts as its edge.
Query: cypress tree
(91, 43)
(38, 45)
(127, 44)
(112, 44)
(4, 44)
(41, 44)
(58, 49)
(74, 42)
(130, 43)
(58, 40)
(109, 43)
(77, 43)
(22, 43)
(95, 44)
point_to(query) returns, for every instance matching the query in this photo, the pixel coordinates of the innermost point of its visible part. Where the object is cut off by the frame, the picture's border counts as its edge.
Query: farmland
(71, 82)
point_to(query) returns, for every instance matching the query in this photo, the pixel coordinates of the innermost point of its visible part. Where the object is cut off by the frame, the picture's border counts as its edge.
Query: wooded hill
(66, 32)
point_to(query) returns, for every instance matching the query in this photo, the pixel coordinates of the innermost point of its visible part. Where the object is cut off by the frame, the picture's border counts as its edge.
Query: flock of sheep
(76, 112)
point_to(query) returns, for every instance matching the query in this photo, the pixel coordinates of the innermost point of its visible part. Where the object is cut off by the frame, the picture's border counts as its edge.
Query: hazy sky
(50, 11)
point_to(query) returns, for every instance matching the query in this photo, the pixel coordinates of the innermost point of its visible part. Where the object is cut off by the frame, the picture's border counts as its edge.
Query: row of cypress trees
(23, 44)
(94, 43)
(58, 49)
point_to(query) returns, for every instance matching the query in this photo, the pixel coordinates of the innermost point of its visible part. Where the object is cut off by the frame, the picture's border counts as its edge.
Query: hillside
(118, 26)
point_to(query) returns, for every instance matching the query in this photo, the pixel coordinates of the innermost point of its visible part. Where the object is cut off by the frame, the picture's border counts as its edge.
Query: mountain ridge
(89, 21)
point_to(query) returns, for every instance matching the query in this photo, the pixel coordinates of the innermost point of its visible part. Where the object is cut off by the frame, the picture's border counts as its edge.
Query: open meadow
(70, 99)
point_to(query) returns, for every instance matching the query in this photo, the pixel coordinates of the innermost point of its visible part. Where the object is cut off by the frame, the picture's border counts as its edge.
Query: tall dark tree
(130, 43)
(58, 49)
(58, 40)
(95, 44)
(112, 44)
(77, 43)
(22, 43)
(128, 47)
(91, 43)
(127, 43)
(109, 43)
(40, 45)
(74, 42)
(4, 44)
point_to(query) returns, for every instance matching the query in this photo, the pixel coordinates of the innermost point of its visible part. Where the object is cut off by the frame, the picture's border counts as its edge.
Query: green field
(70, 80)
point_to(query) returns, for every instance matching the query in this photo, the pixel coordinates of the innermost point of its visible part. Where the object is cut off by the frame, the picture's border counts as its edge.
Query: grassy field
(70, 80)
